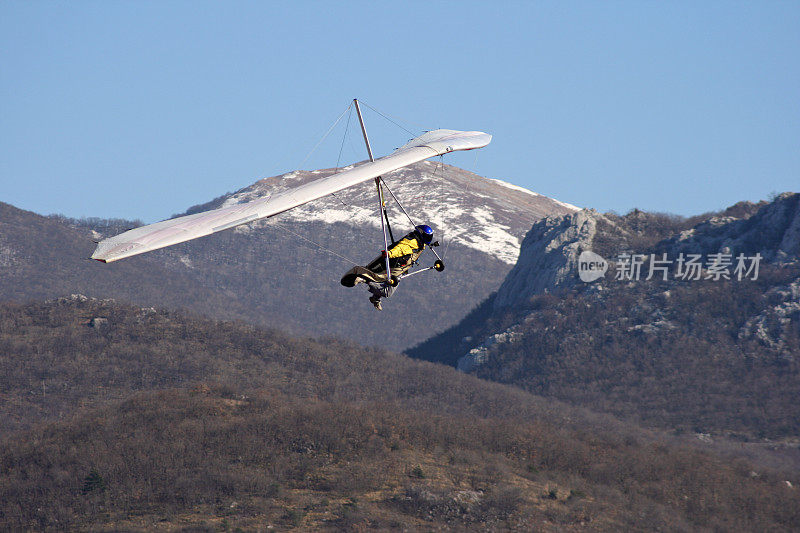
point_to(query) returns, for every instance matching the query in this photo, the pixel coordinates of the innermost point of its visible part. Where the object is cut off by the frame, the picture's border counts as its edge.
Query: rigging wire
(440, 166)
(340, 200)
(341, 148)
(390, 120)
(344, 137)
(318, 245)
(436, 170)
(324, 136)
(398, 202)
(349, 112)
(447, 246)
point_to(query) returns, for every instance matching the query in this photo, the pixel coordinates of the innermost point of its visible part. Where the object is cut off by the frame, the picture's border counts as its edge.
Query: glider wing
(185, 228)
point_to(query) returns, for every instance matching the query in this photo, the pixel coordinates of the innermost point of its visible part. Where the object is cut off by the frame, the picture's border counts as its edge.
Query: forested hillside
(136, 418)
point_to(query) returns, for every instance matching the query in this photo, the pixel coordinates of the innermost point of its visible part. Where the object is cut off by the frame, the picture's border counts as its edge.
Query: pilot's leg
(379, 290)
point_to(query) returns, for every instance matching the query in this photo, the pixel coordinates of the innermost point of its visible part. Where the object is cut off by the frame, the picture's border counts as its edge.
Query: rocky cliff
(714, 352)
(549, 252)
(548, 256)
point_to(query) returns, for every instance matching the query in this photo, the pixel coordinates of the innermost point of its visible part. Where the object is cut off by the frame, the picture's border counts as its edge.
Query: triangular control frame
(385, 226)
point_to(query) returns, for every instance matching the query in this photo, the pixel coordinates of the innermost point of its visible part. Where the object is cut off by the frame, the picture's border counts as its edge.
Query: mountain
(285, 272)
(485, 215)
(124, 418)
(707, 355)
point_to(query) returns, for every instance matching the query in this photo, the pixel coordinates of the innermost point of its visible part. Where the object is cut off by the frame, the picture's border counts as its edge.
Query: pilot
(402, 255)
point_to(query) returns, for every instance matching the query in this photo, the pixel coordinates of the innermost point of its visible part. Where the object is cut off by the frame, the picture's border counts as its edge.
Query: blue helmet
(425, 233)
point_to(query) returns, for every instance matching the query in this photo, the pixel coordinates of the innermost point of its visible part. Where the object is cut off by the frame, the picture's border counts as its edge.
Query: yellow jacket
(404, 252)
(406, 246)
(401, 255)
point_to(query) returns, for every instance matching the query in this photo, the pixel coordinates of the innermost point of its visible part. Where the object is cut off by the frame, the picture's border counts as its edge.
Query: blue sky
(142, 109)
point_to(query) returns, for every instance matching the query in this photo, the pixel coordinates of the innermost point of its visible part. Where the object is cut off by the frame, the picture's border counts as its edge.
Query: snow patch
(319, 212)
(514, 187)
(491, 237)
(528, 191)
(565, 204)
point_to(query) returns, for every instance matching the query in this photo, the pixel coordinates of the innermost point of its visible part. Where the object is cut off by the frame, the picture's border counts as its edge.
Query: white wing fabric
(181, 229)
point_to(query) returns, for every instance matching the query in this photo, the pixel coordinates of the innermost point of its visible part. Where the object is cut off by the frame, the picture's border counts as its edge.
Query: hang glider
(185, 228)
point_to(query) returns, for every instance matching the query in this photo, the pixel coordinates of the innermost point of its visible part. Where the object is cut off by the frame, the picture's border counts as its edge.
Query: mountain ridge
(285, 272)
(433, 192)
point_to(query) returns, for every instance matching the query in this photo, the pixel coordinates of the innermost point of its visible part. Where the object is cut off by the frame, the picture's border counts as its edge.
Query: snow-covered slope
(487, 215)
